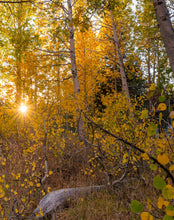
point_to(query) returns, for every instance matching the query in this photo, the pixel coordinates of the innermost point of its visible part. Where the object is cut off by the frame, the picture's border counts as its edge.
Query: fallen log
(56, 200)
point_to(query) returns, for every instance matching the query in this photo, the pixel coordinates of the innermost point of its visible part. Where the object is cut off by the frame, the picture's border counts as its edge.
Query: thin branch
(133, 146)
(6, 2)
(49, 51)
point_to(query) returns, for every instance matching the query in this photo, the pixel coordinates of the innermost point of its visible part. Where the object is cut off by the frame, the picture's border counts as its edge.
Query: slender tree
(74, 71)
(120, 58)
(166, 28)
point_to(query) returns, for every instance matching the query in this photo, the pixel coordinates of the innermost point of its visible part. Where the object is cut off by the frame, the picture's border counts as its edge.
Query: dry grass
(68, 172)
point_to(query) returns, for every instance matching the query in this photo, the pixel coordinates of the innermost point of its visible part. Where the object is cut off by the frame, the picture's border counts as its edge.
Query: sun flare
(23, 108)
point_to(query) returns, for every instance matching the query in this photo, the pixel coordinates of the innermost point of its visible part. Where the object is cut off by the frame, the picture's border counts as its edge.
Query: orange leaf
(163, 158)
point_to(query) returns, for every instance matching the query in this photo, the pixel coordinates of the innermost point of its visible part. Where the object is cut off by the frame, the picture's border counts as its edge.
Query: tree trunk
(74, 73)
(18, 83)
(166, 28)
(120, 59)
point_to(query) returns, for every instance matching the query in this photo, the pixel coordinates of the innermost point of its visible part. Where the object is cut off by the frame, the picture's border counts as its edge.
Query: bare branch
(49, 51)
(14, 2)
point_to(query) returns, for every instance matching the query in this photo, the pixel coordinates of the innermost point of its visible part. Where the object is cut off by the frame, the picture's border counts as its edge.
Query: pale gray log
(58, 199)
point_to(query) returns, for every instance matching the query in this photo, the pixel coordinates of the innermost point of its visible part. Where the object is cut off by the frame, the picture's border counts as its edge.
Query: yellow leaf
(124, 161)
(6, 199)
(152, 87)
(163, 158)
(149, 203)
(41, 213)
(2, 193)
(146, 216)
(50, 172)
(6, 186)
(166, 203)
(38, 185)
(23, 199)
(173, 124)
(30, 183)
(160, 202)
(171, 115)
(161, 145)
(37, 215)
(145, 156)
(171, 168)
(162, 107)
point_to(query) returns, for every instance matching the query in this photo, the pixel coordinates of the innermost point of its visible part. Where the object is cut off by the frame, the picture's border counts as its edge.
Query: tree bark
(120, 58)
(166, 28)
(18, 83)
(74, 72)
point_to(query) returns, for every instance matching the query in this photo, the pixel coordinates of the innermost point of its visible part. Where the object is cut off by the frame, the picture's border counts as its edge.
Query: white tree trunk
(80, 126)
(120, 58)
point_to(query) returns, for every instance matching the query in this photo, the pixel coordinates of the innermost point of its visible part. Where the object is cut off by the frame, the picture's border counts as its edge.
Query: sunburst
(23, 108)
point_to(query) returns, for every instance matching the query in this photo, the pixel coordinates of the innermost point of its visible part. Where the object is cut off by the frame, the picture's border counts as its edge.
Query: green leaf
(170, 210)
(153, 167)
(151, 130)
(160, 117)
(167, 217)
(151, 94)
(136, 206)
(162, 98)
(144, 114)
(158, 182)
(168, 192)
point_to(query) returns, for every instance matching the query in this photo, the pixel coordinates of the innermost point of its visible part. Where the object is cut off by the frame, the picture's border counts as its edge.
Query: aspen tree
(166, 28)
